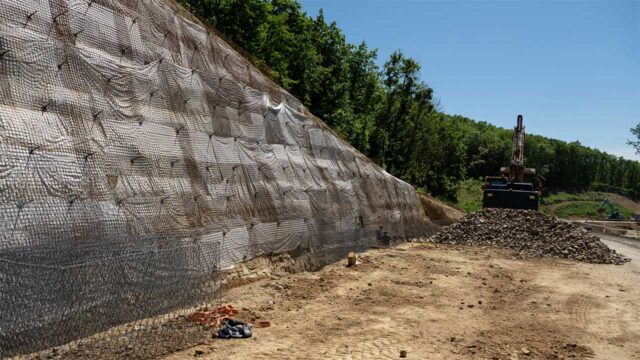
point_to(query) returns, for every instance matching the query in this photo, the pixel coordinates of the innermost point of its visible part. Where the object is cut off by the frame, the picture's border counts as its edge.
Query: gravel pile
(531, 233)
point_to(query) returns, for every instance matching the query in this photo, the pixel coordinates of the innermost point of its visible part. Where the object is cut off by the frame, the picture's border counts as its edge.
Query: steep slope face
(140, 154)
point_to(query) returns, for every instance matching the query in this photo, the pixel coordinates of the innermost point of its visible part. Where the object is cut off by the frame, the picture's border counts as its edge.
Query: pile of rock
(531, 233)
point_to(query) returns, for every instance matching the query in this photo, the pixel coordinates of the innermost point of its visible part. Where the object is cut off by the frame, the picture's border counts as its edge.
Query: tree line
(389, 113)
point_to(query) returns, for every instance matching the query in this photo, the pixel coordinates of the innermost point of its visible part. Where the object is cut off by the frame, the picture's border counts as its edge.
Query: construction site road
(442, 302)
(628, 246)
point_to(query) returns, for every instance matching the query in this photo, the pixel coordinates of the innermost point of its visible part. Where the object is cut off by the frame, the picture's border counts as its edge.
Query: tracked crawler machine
(514, 188)
(614, 214)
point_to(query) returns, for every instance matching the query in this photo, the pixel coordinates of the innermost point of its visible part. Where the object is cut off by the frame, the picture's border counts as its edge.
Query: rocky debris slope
(531, 233)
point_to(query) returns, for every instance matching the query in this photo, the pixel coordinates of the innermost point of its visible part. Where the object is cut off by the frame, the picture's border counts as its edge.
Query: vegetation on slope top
(389, 112)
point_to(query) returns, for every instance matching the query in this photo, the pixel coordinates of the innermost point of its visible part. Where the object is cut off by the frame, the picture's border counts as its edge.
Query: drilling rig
(514, 188)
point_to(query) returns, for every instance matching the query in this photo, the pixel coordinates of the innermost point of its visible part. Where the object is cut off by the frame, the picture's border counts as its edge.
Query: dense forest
(389, 113)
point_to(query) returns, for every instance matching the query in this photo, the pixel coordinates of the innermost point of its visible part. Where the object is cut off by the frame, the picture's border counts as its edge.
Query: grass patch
(469, 195)
(562, 204)
(582, 209)
(580, 205)
(561, 197)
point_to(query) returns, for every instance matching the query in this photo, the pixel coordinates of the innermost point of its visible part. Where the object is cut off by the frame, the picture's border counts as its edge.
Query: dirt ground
(439, 212)
(441, 302)
(629, 229)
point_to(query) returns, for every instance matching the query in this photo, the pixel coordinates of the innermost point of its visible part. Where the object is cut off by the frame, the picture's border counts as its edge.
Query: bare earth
(442, 302)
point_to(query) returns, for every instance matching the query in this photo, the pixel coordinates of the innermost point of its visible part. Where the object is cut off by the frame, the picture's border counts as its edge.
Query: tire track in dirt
(579, 308)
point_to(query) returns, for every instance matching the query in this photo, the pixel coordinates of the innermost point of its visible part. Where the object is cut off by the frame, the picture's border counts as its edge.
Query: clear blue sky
(572, 68)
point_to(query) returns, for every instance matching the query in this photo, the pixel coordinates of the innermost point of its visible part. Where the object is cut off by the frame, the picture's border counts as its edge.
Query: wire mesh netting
(140, 155)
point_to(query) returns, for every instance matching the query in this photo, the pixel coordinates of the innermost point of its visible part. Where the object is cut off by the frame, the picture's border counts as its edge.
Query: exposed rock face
(531, 233)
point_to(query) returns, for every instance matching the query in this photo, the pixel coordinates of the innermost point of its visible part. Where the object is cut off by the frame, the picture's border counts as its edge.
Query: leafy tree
(407, 100)
(365, 96)
(636, 144)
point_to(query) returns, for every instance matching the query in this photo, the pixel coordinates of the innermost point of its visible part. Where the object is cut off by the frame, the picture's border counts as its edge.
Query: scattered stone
(263, 324)
(526, 351)
(351, 259)
(198, 353)
(269, 305)
(403, 353)
(531, 233)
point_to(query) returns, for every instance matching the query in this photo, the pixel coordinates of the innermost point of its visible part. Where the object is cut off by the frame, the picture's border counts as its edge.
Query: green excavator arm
(613, 212)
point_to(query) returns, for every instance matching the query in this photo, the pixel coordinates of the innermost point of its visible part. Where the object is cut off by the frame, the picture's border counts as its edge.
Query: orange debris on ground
(213, 318)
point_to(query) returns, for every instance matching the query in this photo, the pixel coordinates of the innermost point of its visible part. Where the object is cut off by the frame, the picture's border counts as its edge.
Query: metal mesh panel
(140, 155)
